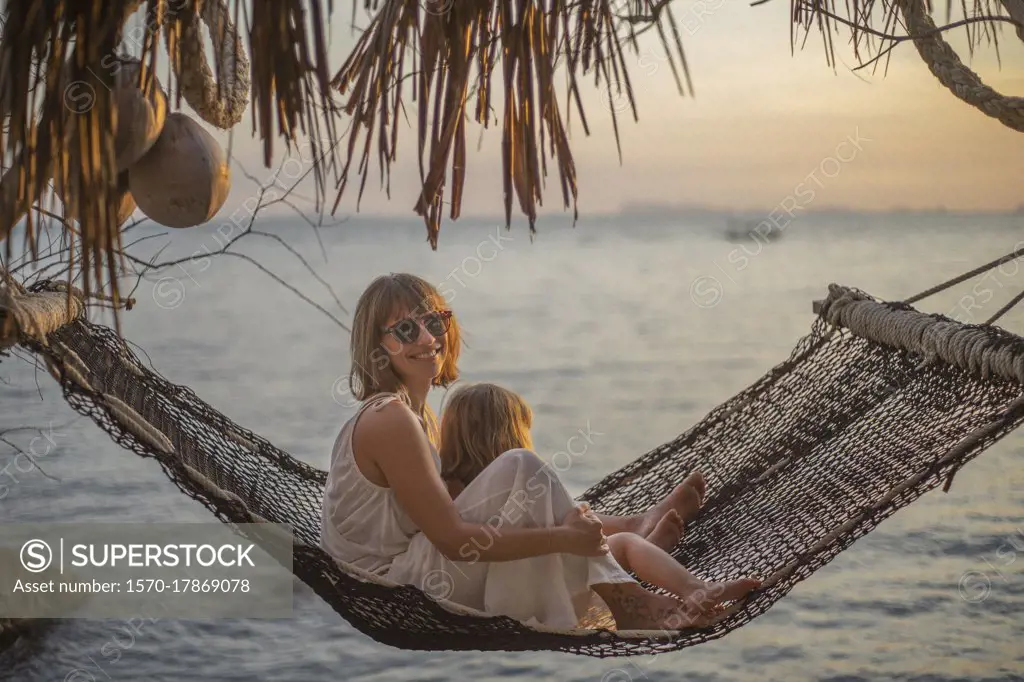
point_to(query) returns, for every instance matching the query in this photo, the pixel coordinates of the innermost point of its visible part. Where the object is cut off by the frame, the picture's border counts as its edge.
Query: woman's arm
(392, 440)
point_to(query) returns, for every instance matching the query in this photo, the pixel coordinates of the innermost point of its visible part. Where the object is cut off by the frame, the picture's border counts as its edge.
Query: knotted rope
(944, 62)
(35, 315)
(977, 350)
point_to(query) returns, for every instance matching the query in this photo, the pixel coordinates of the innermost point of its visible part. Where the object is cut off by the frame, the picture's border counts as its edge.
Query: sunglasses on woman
(407, 330)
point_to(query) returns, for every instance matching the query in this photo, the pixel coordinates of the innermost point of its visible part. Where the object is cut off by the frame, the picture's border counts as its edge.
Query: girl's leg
(686, 500)
(651, 564)
(516, 490)
(668, 532)
(634, 608)
(657, 567)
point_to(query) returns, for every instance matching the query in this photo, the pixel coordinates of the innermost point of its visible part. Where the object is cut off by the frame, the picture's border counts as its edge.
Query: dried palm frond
(55, 88)
(56, 96)
(455, 47)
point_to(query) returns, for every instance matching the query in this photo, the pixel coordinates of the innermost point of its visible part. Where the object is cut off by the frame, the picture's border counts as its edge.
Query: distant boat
(742, 230)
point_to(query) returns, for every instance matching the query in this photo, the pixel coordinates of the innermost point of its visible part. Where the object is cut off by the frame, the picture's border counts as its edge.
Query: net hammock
(876, 405)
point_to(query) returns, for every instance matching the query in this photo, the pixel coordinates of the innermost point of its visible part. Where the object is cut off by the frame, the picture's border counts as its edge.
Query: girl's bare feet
(686, 499)
(707, 595)
(668, 531)
(634, 608)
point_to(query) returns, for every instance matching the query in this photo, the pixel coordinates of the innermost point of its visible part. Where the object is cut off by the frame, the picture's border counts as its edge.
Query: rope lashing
(968, 348)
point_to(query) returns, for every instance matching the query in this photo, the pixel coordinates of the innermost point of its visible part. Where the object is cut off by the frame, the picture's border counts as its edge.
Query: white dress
(364, 525)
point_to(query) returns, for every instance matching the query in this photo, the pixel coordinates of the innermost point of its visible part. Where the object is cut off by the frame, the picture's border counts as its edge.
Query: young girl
(481, 421)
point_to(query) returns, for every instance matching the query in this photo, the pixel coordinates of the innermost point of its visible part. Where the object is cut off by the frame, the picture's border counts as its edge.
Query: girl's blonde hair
(478, 423)
(372, 371)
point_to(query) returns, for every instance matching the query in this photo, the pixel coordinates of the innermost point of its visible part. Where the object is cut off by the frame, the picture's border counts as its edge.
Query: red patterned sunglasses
(407, 330)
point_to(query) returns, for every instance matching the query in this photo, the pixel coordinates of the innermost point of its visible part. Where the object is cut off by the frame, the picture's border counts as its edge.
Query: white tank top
(362, 522)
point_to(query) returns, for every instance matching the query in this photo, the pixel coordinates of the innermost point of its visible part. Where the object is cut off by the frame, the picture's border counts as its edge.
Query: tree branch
(59, 254)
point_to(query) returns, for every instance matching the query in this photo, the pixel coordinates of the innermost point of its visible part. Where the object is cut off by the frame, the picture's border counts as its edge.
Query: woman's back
(362, 522)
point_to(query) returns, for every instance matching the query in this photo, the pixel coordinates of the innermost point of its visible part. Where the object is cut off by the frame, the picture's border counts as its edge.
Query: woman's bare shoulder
(385, 435)
(391, 425)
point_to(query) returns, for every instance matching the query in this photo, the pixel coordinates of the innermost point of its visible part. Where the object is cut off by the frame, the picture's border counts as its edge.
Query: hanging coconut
(184, 179)
(140, 119)
(125, 207)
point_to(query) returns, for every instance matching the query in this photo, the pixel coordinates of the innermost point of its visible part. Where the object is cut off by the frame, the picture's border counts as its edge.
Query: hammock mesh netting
(877, 405)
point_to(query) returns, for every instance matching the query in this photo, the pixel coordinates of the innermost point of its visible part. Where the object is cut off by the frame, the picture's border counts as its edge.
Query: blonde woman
(386, 508)
(482, 421)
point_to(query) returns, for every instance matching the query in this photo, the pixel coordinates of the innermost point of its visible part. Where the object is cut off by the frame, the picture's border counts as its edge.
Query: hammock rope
(1006, 308)
(874, 407)
(1002, 260)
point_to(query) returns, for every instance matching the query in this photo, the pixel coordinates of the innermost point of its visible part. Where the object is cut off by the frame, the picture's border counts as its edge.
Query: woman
(514, 542)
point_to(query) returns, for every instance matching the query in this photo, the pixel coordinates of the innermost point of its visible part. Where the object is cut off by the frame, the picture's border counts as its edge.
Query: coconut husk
(288, 60)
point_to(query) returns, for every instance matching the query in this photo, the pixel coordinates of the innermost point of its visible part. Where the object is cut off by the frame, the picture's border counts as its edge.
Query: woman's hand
(582, 533)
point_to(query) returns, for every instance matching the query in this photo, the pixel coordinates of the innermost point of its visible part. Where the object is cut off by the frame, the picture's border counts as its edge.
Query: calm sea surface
(634, 329)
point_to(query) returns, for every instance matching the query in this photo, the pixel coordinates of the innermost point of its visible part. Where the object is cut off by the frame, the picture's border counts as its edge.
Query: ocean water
(632, 329)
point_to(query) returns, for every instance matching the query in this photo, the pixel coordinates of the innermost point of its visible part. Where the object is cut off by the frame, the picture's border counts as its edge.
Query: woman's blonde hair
(478, 423)
(372, 371)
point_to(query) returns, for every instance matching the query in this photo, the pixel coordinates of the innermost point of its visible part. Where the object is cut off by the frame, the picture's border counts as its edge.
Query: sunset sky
(761, 121)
